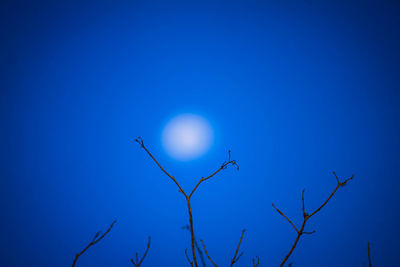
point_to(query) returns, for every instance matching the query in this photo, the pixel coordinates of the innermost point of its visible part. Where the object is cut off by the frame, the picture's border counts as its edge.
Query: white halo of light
(187, 136)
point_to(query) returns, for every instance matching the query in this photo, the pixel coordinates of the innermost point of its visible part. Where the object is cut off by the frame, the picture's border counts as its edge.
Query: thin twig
(281, 213)
(256, 263)
(302, 198)
(236, 257)
(94, 241)
(339, 184)
(307, 216)
(140, 141)
(369, 256)
(204, 246)
(137, 263)
(187, 257)
(224, 165)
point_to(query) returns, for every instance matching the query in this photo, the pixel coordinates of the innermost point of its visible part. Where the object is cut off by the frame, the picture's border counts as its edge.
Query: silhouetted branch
(187, 227)
(187, 257)
(281, 213)
(256, 263)
(236, 257)
(137, 263)
(140, 141)
(307, 216)
(369, 256)
(94, 241)
(223, 166)
(204, 246)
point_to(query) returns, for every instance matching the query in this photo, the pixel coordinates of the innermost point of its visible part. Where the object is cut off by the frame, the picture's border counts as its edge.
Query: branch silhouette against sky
(369, 257)
(187, 196)
(307, 216)
(236, 257)
(138, 262)
(96, 239)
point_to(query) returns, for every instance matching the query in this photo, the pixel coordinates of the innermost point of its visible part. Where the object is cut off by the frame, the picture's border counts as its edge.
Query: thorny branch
(137, 263)
(224, 165)
(307, 216)
(94, 241)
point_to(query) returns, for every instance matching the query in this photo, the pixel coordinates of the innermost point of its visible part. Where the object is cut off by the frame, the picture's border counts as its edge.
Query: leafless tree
(188, 196)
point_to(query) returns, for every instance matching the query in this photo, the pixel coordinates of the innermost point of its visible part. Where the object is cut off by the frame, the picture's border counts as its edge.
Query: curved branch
(204, 246)
(187, 257)
(339, 184)
(256, 263)
(94, 241)
(223, 166)
(137, 263)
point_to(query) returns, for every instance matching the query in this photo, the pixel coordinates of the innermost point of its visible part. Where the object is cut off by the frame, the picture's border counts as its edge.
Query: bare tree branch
(339, 184)
(236, 257)
(94, 241)
(204, 246)
(369, 256)
(140, 141)
(224, 165)
(137, 263)
(302, 198)
(203, 263)
(281, 213)
(187, 257)
(306, 216)
(256, 263)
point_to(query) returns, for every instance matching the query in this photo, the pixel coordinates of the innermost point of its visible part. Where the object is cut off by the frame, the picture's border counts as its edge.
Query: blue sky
(296, 89)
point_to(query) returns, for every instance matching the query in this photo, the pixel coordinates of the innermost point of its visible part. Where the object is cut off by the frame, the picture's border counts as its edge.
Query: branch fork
(138, 262)
(307, 216)
(224, 165)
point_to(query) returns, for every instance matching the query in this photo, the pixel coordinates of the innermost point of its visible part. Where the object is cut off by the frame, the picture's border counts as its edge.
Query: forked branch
(224, 165)
(96, 239)
(256, 261)
(138, 262)
(307, 216)
(236, 257)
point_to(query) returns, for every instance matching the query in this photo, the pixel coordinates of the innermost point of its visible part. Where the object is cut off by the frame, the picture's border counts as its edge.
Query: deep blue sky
(294, 89)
